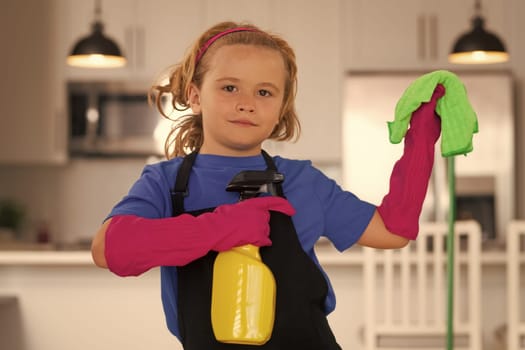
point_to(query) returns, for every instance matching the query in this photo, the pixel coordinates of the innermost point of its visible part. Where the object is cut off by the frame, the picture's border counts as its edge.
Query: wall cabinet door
(314, 34)
(32, 117)
(258, 13)
(411, 34)
(163, 32)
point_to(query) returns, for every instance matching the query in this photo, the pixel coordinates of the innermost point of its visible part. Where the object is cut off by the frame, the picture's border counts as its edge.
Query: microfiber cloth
(458, 119)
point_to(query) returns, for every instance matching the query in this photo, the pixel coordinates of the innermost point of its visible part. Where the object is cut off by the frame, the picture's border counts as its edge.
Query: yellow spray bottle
(243, 289)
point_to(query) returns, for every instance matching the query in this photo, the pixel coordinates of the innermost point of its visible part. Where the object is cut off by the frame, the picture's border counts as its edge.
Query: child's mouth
(243, 122)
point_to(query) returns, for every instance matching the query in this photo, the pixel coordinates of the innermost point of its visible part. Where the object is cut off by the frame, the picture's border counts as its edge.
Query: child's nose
(245, 104)
(245, 108)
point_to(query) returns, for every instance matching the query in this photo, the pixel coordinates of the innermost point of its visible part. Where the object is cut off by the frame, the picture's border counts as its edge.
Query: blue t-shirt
(322, 207)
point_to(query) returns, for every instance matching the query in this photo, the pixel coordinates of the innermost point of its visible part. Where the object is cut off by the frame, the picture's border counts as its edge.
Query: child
(240, 84)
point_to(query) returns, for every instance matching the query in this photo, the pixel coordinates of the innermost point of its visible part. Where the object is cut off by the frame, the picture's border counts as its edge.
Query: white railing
(406, 290)
(515, 281)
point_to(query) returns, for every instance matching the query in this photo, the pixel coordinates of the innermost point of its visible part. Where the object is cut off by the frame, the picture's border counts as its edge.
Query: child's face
(240, 99)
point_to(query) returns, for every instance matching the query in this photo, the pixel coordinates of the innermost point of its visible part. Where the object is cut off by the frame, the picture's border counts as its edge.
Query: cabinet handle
(58, 138)
(130, 46)
(433, 36)
(421, 37)
(139, 47)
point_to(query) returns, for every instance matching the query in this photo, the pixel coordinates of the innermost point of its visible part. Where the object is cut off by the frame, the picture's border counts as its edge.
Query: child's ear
(194, 99)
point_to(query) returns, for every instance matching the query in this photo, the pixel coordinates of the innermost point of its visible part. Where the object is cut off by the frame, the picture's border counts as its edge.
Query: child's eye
(265, 93)
(229, 88)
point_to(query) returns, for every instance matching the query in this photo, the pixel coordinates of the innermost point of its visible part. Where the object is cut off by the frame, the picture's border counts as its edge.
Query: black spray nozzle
(250, 183)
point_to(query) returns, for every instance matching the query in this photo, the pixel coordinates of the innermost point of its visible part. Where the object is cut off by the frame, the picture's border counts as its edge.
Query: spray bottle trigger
(250, 183)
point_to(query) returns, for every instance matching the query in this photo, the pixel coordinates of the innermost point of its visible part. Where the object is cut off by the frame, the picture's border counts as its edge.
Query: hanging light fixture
(478, 46)
(96, 50)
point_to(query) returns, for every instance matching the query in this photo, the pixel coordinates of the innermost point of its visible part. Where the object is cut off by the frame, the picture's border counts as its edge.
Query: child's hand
(246, 222)
(425, 123)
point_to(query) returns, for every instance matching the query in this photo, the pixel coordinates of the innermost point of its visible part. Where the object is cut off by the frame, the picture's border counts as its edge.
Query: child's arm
(377, 235)
(398, 214)
(130, 245)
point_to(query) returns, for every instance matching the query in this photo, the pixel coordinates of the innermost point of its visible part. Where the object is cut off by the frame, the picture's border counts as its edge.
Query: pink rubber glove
(134, 245)
(401, 207)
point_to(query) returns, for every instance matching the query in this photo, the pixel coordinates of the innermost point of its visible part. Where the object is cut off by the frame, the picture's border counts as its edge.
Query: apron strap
(180, 190)
(271, 166)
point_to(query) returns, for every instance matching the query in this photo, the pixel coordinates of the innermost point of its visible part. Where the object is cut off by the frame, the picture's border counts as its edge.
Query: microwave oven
(114, 119)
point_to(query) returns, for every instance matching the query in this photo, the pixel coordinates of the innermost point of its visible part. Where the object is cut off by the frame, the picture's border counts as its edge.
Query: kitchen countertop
(46, 258)
(327, 256)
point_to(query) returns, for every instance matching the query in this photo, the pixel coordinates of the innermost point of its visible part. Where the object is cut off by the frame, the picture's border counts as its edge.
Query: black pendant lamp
(478, 46)
(96, 50)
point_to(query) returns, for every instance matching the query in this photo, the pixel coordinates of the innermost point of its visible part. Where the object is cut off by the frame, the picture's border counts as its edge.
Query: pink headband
(214, 38)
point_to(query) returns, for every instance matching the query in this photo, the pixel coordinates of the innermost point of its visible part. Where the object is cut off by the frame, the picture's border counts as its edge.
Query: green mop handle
(450, 252)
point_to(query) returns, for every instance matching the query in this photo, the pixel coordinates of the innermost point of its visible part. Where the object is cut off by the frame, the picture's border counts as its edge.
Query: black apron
(300, 322)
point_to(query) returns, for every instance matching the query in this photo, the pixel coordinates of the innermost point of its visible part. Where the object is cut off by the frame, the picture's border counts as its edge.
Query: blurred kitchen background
(67, 173)
(73, 140)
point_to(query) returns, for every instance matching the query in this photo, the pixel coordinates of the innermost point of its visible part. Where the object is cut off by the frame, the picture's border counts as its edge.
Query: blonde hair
(187, 134)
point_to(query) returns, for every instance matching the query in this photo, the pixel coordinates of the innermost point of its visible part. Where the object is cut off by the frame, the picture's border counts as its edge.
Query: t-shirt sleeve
(149, 196)
(345, 215)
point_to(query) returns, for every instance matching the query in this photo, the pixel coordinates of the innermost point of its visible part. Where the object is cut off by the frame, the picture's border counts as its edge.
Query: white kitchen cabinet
(153, 35)
(313, 33)
(255, 12)
(169, 28)
(32, 116)
(412, 34)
